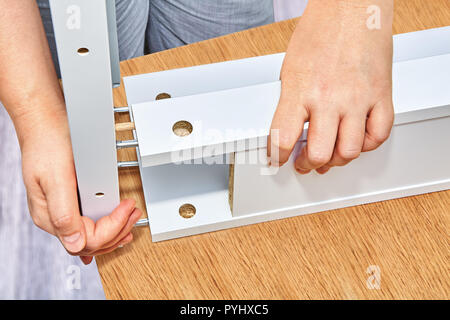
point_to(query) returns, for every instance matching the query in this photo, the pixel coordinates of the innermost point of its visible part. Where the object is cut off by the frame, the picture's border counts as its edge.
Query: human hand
(337, 75)
(49, 176)
(31, 93)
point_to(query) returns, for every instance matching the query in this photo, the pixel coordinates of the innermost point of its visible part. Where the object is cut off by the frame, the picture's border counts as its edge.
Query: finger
(287, 126)
(349, 141)
(62, 201)
(127, 239)
(323, 169)
(379, 125)
(93, 247)
(322, 132)
(135, 216)
(109, 227)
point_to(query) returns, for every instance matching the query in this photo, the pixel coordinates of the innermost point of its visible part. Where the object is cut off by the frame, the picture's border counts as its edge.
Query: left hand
(337, 75)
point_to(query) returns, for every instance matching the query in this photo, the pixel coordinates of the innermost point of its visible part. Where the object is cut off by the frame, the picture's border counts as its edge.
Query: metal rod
(122, 109)
(127, 144)
(127, 164)
(142, 223)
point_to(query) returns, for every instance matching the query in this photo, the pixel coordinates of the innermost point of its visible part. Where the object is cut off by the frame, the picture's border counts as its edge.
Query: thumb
(62, 202)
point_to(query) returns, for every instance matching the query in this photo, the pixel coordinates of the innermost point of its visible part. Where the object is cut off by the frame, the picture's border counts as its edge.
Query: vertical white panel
(87, 86)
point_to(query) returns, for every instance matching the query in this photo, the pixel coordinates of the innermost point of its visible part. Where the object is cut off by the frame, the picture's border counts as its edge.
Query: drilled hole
(83, 51)
(182, 128)
(187, 211)
(99, 194)
(162, 96)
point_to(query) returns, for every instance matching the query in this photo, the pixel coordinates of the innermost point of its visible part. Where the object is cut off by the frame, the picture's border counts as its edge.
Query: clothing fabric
(147, 26)
(288, 9)
(33, 263)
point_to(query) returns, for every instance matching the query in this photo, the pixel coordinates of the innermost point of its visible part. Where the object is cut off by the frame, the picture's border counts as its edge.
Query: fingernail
(124, 243)
(323, 171)
(72, 238)
(86, 259)
(71, 242)
(275, 164)
(302, 171)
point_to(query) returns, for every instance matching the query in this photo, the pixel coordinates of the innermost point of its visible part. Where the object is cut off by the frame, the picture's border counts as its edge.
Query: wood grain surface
(318, 256)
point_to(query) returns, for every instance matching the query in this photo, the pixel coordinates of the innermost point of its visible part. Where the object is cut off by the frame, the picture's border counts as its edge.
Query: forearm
(349, 20)
(29, 87)
(347, 32)
(355, 11)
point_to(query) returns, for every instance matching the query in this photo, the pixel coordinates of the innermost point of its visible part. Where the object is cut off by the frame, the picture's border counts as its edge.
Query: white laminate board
(421, 44)
(416, 156)
(255, 70)
(89, 103)
(204, 78)
(220, 119)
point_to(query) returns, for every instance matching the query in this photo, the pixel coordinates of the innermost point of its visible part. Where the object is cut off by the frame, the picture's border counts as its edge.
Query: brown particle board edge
(231, 181)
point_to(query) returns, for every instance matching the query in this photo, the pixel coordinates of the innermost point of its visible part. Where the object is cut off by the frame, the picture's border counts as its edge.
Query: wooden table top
(317, 256)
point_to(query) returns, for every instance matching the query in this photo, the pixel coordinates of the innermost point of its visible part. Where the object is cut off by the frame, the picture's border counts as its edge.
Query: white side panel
(416, 155)
(205, 78)
(421, 44)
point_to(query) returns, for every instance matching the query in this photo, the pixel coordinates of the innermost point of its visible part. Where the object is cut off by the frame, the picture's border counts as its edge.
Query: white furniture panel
(415, 159)
(242, 95)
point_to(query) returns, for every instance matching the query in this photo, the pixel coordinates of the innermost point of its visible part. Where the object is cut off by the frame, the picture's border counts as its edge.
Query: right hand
(50, 180)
